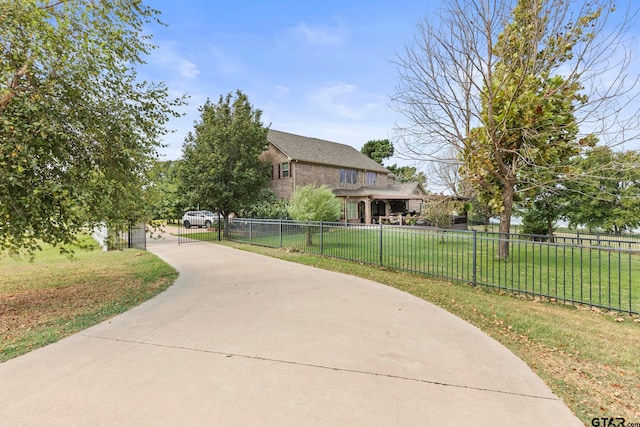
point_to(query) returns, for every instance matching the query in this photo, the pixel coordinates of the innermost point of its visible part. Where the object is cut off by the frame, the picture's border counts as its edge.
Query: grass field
(594, 275)
(57, 295)
(588, 357)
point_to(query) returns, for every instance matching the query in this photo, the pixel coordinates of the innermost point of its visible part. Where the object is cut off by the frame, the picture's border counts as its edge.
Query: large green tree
(608, 195)
(542, 213)
(378, 149)
(515, 87)
(381, 149)
(266, 205)
(165, 201)
(221, 169)
(78, 130)
(529, 130)
(408, 174)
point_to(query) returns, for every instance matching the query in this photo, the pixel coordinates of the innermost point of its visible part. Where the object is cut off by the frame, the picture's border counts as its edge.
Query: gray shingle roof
(408, 188)
(377, 193)
(323, 152)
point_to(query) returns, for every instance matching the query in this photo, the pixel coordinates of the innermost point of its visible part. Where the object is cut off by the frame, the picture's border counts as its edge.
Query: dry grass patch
(57, 295)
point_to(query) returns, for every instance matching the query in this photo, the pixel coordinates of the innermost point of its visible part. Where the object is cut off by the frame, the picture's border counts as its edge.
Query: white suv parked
(199, 219)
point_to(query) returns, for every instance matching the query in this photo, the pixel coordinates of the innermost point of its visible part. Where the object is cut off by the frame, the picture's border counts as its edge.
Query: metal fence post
(280, 231)
(475, 257)
(220, 227)
(250, 230)
(321, 238)
(380, 252)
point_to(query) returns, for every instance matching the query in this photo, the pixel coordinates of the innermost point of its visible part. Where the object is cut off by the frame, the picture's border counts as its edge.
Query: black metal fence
(603, 238)
(194, 233)
(584, 269)
(132, 236)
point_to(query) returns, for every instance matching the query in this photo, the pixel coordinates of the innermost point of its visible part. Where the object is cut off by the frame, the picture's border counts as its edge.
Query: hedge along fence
(598, 272)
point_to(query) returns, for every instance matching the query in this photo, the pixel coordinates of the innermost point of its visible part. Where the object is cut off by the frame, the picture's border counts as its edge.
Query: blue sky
(322, 69)
(315, 68)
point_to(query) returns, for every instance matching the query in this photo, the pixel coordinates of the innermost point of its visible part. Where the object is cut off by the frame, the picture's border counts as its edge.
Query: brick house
(367, 188)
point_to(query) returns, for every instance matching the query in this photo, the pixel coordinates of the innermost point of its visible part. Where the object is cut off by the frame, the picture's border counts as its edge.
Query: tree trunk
(225, 229)
(309, 237)
(550, 229)
(505, 223)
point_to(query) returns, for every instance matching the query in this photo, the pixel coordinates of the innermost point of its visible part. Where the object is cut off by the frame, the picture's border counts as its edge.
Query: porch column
(367, 211)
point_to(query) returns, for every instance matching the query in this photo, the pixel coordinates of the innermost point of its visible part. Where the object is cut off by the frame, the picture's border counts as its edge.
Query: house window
(351, 210)
(285, 170)
(348, 176)
(370, 178)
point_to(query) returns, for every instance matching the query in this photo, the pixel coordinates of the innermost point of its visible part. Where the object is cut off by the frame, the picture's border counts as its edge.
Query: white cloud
(344, 100)
(281, 91)
(167, 55)
(321, 36)
(223, 63)
(188, 69)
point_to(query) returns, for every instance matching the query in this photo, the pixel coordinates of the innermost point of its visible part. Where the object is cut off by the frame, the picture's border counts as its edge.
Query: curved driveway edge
(246, 340)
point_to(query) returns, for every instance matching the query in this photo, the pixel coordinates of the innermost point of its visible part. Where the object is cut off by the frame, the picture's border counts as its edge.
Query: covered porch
(375, 205)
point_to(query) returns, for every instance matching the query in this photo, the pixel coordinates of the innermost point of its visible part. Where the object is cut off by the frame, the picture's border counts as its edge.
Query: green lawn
(592, 275)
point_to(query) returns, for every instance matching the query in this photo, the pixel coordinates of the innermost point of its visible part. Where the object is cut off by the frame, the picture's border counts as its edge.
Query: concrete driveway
(246, 340)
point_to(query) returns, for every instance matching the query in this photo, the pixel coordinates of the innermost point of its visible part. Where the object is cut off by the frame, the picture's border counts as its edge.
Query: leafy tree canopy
(529, 130)
(78, 129)
(540, 216)
(513, 89)
(221, 169)
(266, 205)
(408, 174)
(165, 200)
(607, 196)
(311, 203)
(378, 149)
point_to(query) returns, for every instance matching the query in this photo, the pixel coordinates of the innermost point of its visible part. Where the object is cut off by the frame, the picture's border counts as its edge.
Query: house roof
(409, 188)
(376, 193)
(319, 151)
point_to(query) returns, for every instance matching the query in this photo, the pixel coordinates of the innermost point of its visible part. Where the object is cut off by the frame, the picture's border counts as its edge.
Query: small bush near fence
(585, 269)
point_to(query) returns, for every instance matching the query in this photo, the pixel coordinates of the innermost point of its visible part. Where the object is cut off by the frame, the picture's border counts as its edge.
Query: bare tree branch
(485, 66)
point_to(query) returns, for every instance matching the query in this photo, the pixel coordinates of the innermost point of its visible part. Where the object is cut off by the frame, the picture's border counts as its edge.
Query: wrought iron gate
(203, 231)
